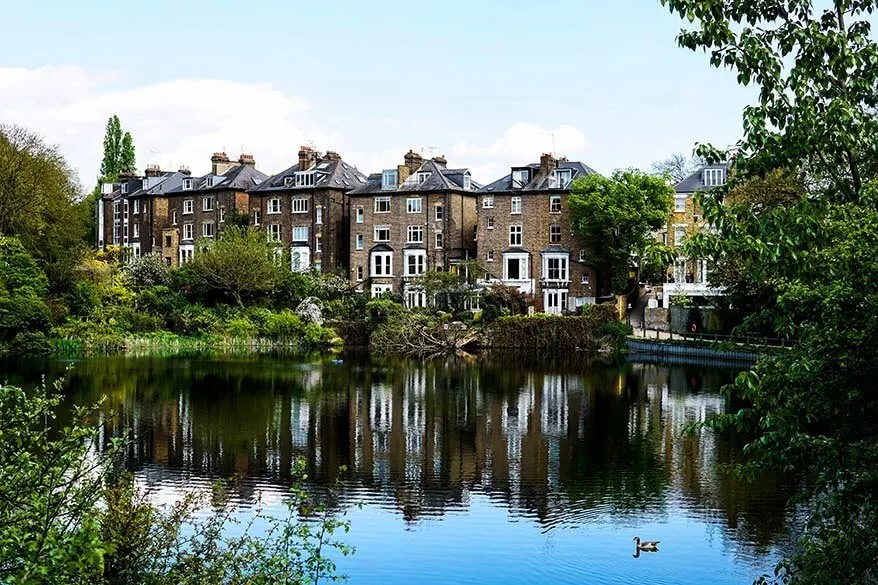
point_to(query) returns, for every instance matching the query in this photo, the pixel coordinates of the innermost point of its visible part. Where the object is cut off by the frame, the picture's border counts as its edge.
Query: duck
(647, 545)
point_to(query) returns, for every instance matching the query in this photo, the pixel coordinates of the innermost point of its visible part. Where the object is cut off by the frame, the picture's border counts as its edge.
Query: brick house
(306, 208)
(200, 206)
(688, 276)
(406, 220)
(525, 235)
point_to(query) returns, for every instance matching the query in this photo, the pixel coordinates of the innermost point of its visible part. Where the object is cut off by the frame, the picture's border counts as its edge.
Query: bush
(549, 332)
(29, 344)
(380, 310)
(148, 270)
(239, 327)
(23, 288)
(499, 300)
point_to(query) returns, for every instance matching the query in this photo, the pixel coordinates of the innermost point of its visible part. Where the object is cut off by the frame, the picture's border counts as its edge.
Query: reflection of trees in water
(564, 442)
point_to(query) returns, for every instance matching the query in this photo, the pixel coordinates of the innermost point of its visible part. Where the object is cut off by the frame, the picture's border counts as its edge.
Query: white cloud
(173, 122)
(522, 143)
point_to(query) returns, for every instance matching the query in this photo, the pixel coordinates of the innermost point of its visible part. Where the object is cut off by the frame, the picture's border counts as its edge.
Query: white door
(554, 301)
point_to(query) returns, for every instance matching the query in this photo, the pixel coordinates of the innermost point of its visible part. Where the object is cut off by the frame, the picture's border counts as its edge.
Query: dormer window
(467, 182)
(208, 182)
(288, 181)
(560, 179)
(389, 179)
(520, 178)
(124, 188)
(305, 178)
(187, 184)
(423, 177)
(714, 177)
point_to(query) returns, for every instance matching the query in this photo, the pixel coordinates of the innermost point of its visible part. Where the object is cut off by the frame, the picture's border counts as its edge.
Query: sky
(487, 84)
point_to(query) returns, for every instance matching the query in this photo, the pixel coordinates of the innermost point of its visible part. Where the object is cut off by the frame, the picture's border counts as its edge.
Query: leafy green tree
(127, 158)
(616, 216)
(111, 164)
(240, 263)
(813, 409)
(23, 288)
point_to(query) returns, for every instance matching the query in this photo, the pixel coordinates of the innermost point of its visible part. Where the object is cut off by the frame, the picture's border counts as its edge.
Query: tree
(23, 288)
(677, 166)
(127, 163)
(615, 218)
(240, 262)
(812, 410)
(112, 161)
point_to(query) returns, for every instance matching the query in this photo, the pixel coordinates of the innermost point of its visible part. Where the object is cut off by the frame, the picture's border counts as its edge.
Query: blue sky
(486, 84)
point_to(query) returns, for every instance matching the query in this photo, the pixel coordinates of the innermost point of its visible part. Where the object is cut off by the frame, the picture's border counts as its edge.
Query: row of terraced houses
(382, 230)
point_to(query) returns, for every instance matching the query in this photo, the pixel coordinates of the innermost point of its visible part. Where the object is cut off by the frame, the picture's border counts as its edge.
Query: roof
(555, 249)
(239, 178)
(695, 182)
(538, 182)
(438, 178)
(330, 173)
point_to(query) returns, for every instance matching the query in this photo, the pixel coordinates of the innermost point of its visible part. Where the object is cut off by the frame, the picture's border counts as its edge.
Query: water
(504, 469)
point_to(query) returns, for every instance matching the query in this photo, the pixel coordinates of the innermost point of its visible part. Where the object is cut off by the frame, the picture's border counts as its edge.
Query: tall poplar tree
(127, 162)
(111, 164)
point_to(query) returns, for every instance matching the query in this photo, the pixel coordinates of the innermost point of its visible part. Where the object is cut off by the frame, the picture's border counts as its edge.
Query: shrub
(147, 270)
(29, 344)
(380, 310)
(240, 327)
(285, 325)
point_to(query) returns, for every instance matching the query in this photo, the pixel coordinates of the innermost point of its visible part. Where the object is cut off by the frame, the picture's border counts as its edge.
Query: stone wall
(656, 319)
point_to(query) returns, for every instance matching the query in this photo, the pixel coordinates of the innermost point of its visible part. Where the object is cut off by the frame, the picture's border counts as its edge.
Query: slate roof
(440, 179)
(695, 182)
(331, 173)
(538, 182)
(239, 178)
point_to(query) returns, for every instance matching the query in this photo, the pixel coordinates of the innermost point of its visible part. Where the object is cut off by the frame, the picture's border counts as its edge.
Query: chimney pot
(306, 157)
(413, 161)
(184, 170)
(440, 160)
(332, 155)
(247, 160)
(547, 163)
(153, 171)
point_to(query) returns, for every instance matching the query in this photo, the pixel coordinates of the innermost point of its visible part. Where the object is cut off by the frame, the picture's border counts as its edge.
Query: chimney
(547, 164)
(332, 155)
(184, 170)
(220, 163)
(440, 160)
(153, 171)
(306, 157)
(413, 161)
(247, 160)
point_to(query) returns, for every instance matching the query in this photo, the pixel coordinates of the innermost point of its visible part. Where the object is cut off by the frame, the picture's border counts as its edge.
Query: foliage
(127, 160)
(119, 154)
(240, 263)
(147, 271)
(616, 216)
(417, 334)
(452, 291)
(23, 287)
(59, 524)
(677, 167)
(549, 332)
(381, 310)
(498, 300)
(809, 254)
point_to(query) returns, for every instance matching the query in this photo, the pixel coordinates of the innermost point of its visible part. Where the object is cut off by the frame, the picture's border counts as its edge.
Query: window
(207, 204)
(288, 181)
(318, 266)
(359, 215)
(389, 180)
(488, 202)
(515, 235)
(520, 178)
(416, 234)
(515, 267)
(415, 262)
(300, 233)
(380, 289)
(382, 233)
(423, 177)
(361, 241)
(274, 232)
(208, 182)
(274, 206)
(555, 204)
(490, 256)
(555, 268)
(318, 243)
(185, 255)
(714, 177)
(560, 178)
(585, 279)
(467, 182)
(187, 184)
(305, 178)
(174, 217)
(359, 273)
(382, 205)
(516, 205)
(680, 203)
(124, 188)
(490, 223)
(207, 229)
(136, 206)
(440, 212)
(257, 216)
(415, 298)
(300, 205)
(319, 210)
(188, 231)
(413, 205)
(135, 230)
(439, 240)
(300, 258)
(168, 241)
(554, 234)
(382, 263)
(222, 214)
(679, 234)
(188, 206)
(582, 255)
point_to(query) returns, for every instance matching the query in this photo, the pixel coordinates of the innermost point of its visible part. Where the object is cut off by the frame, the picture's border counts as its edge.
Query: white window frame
(188, 206)
(301, 263)
(561, 179)
(679, 203)
(379, 204)
(318, 242)
(360, 242)
(318, 215)
(554, 204)
(306, 178)
(222, 214)
(380, 289)
(289, 181)
(440, 212)
(415, 298)
(174, 217)
(274, 206)
(515, 206)
(555, 300)
(187, 184)
(381, 228)
(414, 205)
(523, 268)
(415, 234)
(257, 217)
(274, 232)
(418, 258)
(207, 203)
(520, 178)
(467, 182)
(381, 264)
(516, 232)
(389, 179)
(135, 230)
(300, 205)
(714, 177)
(136, 209)
(208, 226)
(488, 202)
(423, 176)
(360, 214)
(190, 228)
(490, 256)
(555, 233)
(562, 269)
(360, 274)
(300, 233)
(439, 240)
(490, 223)
(679, 235)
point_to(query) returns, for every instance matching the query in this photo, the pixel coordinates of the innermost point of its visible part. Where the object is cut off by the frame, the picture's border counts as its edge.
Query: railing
(701, 289)
(754, 340)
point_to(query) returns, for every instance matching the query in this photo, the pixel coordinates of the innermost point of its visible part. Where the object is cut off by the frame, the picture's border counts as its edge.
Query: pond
(500, 469)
